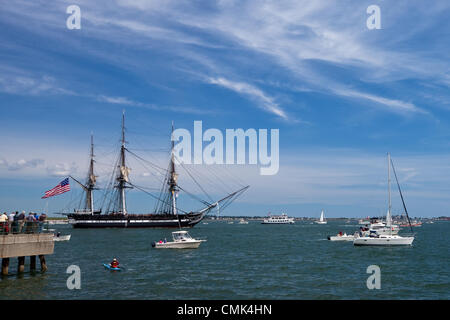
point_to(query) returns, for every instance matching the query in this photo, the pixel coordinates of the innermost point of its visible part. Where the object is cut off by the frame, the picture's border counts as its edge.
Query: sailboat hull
(384, 241)
(135, 220)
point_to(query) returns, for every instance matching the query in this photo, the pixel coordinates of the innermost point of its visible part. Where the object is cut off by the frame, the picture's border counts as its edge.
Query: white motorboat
(384, 228)
(363, 222)
(181, 240)
(243, 221)
(342, 237)
(322, 219)
(282, 219)
(58, 237)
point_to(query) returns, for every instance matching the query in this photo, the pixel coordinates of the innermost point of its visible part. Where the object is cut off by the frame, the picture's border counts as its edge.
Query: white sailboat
(389, 238)
(322, 219)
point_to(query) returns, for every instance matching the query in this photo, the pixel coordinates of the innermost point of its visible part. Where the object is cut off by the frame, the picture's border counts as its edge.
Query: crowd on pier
(17, 222)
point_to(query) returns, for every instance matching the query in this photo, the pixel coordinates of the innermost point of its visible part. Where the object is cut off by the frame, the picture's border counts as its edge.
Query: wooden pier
(25, 245)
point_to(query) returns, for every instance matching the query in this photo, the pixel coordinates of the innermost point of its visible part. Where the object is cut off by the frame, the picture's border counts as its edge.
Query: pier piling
(43, 264)
(5, 266)
(32, 263)
(21, 264)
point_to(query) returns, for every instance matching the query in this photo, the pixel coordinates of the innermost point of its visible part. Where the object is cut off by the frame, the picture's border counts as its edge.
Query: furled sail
(125, 171)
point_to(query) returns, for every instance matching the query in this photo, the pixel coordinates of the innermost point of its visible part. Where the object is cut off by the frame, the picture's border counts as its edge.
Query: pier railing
(23, 227)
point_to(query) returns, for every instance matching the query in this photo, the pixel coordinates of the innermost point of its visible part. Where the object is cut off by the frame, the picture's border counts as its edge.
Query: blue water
(251, 261)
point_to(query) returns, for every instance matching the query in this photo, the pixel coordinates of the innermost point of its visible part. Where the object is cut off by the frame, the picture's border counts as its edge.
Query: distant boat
(281, 219)
(59, 221)
(322, 219)
(413, 224)
(341, 237)
(384, 227)
(181, 240)
(363, 222)
(243, 221)
(58, 237)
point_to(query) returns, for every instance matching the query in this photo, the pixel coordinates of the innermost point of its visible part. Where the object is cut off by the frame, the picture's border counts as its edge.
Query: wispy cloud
(26, 84)
(62, 169)
(21, 164)
(264, 101)
(128, 102)
(293, 34)
(392, 104)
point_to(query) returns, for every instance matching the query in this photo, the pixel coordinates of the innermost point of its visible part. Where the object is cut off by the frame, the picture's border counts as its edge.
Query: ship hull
(134, 221)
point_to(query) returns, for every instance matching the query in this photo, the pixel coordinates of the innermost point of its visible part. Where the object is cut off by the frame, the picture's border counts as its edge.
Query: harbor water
(238, 261)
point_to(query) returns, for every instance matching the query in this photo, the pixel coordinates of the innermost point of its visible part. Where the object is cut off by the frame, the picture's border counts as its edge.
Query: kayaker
(114, 263)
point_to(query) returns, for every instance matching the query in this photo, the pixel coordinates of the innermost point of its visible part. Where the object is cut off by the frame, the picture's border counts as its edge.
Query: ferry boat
(167, 213)
(281, 219)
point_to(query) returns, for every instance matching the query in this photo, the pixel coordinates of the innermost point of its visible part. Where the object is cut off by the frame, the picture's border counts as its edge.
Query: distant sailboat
(322, 219)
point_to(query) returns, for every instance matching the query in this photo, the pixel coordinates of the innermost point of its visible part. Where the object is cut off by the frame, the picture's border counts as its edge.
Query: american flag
(62, 187)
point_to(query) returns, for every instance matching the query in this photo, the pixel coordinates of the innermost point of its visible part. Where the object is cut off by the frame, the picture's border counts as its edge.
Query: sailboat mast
(389, 182)
(388, 216)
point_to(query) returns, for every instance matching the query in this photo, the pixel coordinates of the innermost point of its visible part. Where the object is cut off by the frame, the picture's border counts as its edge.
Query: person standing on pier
(4, 223)
(20, 218)
(11, 221)
(30, 223)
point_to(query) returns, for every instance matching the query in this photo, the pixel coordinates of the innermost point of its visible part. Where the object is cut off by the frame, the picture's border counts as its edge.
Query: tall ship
(167, 212)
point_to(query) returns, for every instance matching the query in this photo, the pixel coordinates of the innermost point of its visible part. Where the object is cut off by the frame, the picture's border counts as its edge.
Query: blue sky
(341, 95)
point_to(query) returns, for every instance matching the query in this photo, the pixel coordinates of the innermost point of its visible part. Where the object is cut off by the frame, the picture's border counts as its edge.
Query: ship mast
(89, 186)
(122, 177)
(173, 176)
(91, 181)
